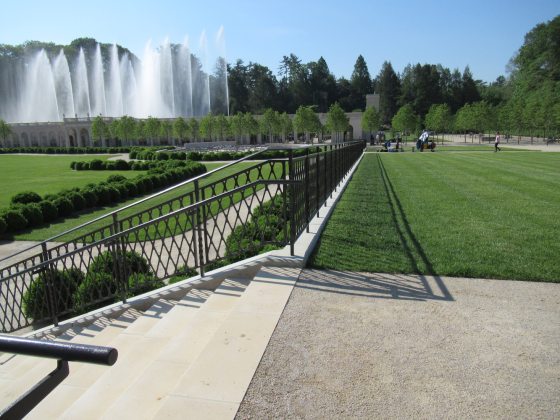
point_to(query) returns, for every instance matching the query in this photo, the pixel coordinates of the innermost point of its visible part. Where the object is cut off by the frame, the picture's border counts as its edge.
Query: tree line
(422, 95)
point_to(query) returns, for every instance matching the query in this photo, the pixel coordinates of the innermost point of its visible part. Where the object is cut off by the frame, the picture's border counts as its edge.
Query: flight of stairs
(190, 355)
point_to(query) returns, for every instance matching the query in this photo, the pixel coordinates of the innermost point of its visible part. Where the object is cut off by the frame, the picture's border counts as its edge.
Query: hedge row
(150, 154)
(27, 212)
(65, 150)
(75, 293)
(259, 234)
(122, 165)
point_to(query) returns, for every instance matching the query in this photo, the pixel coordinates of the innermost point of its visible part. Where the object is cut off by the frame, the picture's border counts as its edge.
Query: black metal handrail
(70, 352)
(63, 353)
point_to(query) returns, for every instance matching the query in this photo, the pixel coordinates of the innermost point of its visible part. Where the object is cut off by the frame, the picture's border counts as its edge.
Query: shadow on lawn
(408, 239)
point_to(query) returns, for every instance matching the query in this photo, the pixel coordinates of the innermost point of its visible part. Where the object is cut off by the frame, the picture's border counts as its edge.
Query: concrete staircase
(189, 354)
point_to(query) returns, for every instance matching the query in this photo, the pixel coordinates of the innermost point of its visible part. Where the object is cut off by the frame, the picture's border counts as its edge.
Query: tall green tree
(360, 83)
(236, 126)
(193, 130)
(371, 120)
(322, 84)
(389, 88)
(238, 84)
(180, 127)
(99, 130)
(306, 121)
(5, 131)
(165, 130)
(337, 122)
(151, 129)
(208, 127)
(222, 127)
(438, 118)
(270, 124)
(286, 126)
(126, 127)
(405, 120)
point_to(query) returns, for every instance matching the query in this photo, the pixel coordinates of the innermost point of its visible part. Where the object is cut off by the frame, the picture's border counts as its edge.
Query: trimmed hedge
(25, 198)
(101, 286)
(266, 225)
(65, 150)
(64, 284)
(15, 220)
(3, 225)
(114, 189)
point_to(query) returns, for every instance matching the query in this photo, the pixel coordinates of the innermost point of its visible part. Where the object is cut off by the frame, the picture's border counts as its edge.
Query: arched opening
(34, 140)
(84, 137)
(43, 139)
(52, 139)
(15, 140)
(25, 140)
(72, 138)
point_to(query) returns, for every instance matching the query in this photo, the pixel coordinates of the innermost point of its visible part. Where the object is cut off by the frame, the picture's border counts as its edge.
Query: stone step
(143, 398)
(215, 383)
(81, 393)
(23, 372)
(101, 332)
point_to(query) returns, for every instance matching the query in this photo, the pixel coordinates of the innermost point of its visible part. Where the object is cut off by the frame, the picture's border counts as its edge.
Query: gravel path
(354, 345)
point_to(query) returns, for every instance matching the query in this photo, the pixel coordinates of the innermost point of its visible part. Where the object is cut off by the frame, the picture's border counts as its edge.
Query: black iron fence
(207, 224)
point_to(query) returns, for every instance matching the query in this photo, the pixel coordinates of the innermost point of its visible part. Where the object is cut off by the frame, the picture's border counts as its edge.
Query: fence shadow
(411, 246)
(375, 285)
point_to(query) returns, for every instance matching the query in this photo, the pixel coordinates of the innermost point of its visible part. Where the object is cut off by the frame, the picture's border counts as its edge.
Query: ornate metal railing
(208, 225)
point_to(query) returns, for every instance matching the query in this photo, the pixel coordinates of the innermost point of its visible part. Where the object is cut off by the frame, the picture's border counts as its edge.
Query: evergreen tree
(360, 83)
(389, 89)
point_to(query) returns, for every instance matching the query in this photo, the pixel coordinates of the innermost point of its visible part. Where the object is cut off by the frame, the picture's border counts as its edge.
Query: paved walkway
(352, 345)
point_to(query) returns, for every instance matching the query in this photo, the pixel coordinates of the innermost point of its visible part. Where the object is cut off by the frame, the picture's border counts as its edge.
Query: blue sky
(481, 34)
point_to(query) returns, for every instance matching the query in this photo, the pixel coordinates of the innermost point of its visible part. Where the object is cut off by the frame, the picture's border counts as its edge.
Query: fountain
(169, 81)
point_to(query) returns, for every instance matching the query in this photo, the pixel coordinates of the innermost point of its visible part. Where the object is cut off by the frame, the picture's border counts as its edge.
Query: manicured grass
(488, 215)
(61, 226)
(47, 174)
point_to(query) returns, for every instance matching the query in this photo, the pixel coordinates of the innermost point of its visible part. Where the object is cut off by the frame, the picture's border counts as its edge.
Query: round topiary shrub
(15, 220)
(64, 284)
(64, 206)
(49, 210)
(162, 156)
(123, 189)
(115, 193)
(183, 272)
(96, 165)
(97, 290)
(77, 199)
(115, 178)
(121, 165)
(26, 197)
(132, 189)
(90, 198)
(101, 286)
(139, 283)
(103, 194)
(32, 212)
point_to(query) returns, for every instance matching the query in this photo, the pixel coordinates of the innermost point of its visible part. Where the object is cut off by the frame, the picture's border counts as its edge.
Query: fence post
(48, 273)
(200, 253)
(306, 183)
(119, 259)
(331, 183)
(292, 199)
(317, 182)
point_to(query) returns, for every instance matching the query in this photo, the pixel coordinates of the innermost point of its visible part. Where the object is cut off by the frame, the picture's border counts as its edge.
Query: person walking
(497, 142)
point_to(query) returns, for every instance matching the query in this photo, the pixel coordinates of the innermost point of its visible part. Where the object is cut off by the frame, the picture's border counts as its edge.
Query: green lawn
(47, 174)
(488, 215)
(48, 231)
